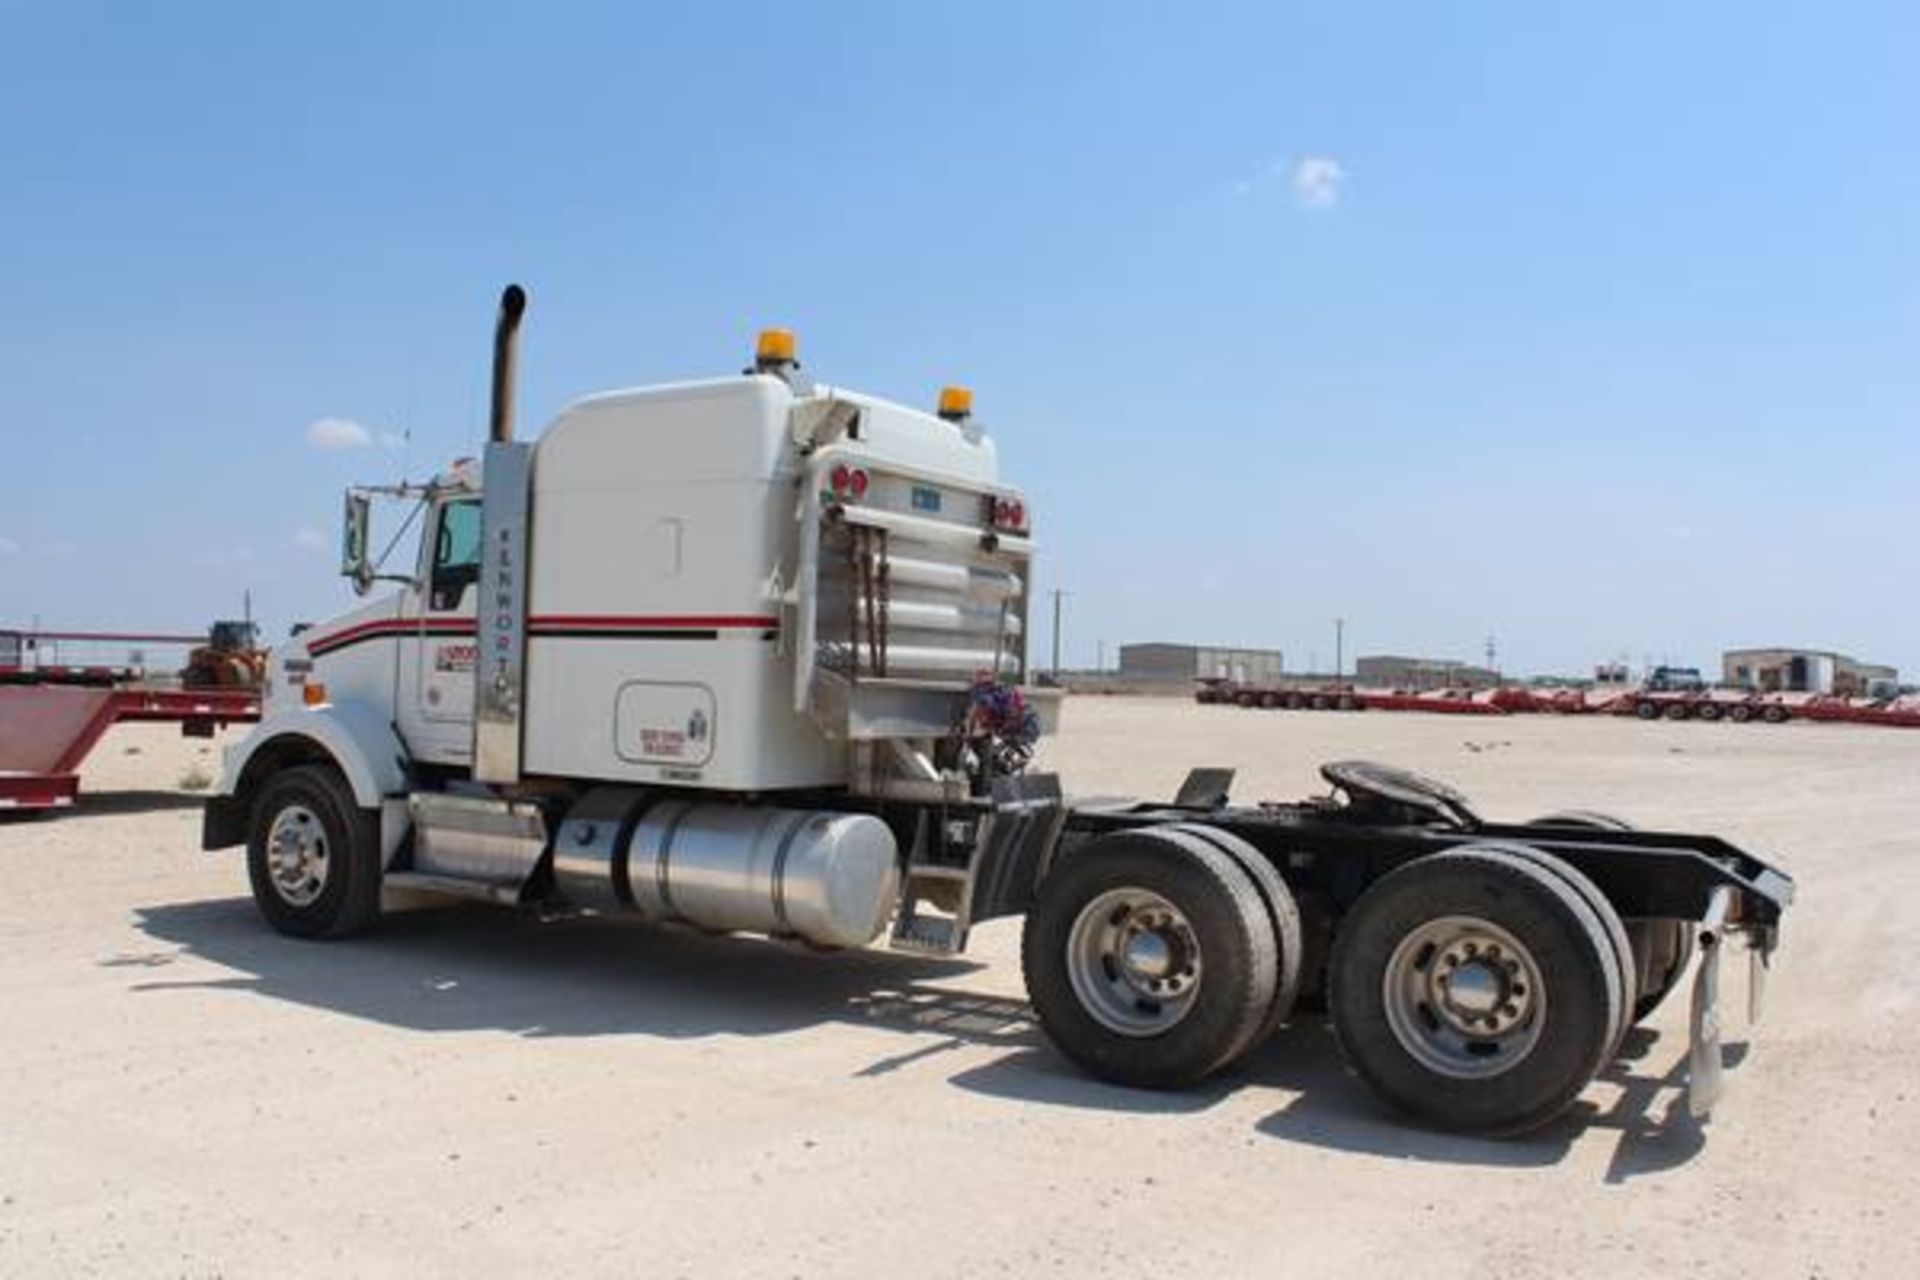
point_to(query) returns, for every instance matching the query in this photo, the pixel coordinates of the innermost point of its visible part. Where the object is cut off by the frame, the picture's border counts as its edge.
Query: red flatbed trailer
(46, 730)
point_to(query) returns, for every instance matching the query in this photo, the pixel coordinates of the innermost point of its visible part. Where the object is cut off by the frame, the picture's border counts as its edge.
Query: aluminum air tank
(830, 878)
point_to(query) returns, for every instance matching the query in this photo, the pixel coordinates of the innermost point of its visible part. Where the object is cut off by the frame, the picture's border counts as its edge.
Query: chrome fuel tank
(830, 878)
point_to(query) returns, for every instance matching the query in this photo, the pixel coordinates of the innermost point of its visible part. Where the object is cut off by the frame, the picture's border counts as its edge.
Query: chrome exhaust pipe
(506, 352)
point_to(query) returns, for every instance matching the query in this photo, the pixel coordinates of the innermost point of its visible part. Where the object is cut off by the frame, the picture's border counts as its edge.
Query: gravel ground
(471, 1092)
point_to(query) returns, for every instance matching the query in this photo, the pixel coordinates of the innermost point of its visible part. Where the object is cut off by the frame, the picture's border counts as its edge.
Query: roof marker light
(776, 346)
(955, 403)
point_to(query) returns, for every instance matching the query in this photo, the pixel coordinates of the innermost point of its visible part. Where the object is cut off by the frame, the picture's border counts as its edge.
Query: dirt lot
(469, 1092)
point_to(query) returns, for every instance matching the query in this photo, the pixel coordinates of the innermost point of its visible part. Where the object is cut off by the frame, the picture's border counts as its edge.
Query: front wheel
(313, 855)
(1476, 990)
(1150, 958)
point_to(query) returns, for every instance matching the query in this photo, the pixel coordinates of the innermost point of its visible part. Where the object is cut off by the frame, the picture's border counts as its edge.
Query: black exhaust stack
(506, 476)
(506, 355)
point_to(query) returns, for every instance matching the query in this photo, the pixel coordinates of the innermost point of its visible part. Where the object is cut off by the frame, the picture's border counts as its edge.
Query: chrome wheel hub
(1134, 962)
(297, 855)
(1464, 997)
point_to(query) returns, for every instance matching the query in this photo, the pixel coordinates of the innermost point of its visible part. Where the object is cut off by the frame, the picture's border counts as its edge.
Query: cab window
(456, 554)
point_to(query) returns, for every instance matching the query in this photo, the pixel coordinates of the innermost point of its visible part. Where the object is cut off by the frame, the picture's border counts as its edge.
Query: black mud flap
(1016, 841)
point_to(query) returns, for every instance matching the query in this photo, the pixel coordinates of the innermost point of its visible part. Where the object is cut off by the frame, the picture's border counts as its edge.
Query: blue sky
(1595, 329)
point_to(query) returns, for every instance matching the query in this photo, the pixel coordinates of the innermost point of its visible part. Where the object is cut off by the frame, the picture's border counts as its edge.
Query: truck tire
(1541, 991)
(1678, 711)
(1774, 714)
(1610, 924)
(1661, 946)
(1740, 713)
(1708, 711)
(1283, 913)
(1647, 710)
(1662, 950)
(1149, 959)
(313, 855)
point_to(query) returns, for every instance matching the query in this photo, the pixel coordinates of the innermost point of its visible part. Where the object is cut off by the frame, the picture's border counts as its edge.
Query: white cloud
(338, 433)
(8, 547)
(310, 539)
(1318, 181)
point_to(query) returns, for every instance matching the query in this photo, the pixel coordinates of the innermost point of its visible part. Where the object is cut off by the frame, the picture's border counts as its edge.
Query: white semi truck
(750, 654)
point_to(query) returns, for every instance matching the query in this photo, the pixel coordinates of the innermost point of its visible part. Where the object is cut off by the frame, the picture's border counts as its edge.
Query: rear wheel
(1603, 912)
(1775, 714)
(1283, 913)
(313, 855)
(1740, 713)
(1150, 958)
(1647, 710)
(1661, 946)
(1475, 990)
(1708, 711)
(1677, 711)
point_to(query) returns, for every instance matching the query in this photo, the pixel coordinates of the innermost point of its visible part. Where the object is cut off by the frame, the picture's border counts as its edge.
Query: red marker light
(841, 478)
(859, 484)
(1017, 514)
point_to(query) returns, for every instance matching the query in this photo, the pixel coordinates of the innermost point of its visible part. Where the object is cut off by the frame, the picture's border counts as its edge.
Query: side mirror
(353, 543)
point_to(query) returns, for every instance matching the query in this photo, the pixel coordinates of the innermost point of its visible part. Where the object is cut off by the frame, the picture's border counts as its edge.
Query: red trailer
(47, 729)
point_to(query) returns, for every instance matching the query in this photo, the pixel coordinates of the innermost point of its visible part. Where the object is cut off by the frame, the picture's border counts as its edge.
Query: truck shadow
(474, 968)
(1644, 1113)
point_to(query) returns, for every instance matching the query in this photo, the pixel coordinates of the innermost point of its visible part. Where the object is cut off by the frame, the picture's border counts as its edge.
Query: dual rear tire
(1156, 957)
(1481, 989)
(1477, 989)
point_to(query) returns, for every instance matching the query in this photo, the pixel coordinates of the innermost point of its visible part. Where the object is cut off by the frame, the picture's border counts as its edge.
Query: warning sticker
(454, 657)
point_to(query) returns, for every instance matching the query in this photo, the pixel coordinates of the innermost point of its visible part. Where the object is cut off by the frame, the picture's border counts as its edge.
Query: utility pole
(1100, 663)
(1339, 647)
(1058, 594)
(1492, 656)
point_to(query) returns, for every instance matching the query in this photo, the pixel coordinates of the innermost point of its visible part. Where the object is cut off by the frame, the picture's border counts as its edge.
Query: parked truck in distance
(750, 654)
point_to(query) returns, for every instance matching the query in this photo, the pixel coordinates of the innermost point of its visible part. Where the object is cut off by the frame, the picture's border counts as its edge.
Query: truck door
(437, 705)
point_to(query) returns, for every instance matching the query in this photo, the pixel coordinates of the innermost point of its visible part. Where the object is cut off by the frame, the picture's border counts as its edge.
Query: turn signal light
(1010, 515)
(313, 693)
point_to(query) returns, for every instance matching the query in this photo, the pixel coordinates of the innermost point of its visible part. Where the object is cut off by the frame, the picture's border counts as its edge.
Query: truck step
(453, 886)
(925, 935)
